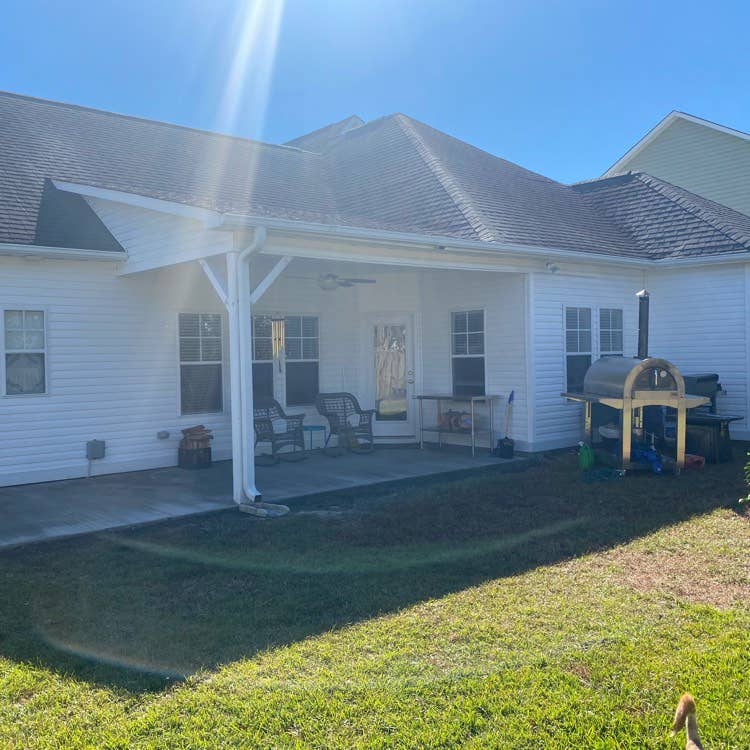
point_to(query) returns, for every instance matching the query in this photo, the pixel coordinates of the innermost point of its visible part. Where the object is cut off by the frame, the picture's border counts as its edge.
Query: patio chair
(347, 420)
(274, 426)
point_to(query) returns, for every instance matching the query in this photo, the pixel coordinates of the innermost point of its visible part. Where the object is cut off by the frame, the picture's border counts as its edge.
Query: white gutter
(335, 231)
(16, 250)
(245, 361)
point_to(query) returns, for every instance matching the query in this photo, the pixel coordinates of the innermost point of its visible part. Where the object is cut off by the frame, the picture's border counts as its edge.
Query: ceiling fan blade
(359, 281)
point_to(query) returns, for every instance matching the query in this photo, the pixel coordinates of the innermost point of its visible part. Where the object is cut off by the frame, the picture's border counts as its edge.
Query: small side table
(311, 428)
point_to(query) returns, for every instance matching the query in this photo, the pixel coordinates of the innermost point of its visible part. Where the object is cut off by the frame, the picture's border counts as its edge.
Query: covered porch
(37, 512)
(383, 331)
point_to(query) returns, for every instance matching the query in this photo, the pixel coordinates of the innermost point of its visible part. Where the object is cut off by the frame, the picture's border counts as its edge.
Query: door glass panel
(390, 372)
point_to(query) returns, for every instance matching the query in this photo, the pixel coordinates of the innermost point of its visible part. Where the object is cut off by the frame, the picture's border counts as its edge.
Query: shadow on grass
(138, 609)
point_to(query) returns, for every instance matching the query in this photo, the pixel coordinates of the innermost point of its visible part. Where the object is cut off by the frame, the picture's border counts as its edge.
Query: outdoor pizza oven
(628, 390)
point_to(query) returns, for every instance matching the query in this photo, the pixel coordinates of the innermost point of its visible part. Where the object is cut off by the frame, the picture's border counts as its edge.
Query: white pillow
(279, 426)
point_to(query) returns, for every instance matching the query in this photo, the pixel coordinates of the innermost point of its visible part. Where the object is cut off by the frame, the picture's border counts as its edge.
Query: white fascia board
(15, 250)
(618, 166)
(210, 219)
(408, 239)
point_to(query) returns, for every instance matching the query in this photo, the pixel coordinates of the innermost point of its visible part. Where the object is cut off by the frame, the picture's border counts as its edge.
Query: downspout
(249, 489)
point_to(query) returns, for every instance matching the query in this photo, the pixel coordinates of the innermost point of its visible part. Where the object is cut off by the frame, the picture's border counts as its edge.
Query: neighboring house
(149, 272)
(701, 156)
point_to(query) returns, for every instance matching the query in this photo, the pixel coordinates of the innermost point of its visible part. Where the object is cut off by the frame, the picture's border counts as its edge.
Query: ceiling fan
(329, 281)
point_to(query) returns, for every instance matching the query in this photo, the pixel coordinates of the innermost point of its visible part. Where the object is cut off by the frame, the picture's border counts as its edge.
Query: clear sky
(563, 88)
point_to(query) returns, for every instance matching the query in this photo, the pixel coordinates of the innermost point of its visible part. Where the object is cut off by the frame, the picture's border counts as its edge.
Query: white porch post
(235, 354)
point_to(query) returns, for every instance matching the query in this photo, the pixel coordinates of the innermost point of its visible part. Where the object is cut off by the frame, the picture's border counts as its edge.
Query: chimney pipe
(643, 304)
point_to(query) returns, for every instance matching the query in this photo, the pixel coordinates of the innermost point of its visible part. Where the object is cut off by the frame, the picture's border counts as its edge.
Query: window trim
(222, 363)
(595, 352)
(615, 352)
(26, 308)
(288, 360)
(451, 312)
(279, 377)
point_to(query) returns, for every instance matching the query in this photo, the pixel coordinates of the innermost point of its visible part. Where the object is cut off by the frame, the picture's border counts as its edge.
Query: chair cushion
(279, 426)
(353, 420)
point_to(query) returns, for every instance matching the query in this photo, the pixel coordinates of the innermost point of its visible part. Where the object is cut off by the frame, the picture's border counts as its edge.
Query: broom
(506, 445)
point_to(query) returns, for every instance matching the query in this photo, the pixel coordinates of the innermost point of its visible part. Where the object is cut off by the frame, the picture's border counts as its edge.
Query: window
(201, 388)
(467, 353)
(577, 346)
(301, 348)
(610, 332)
(25, 352)
(262, 357)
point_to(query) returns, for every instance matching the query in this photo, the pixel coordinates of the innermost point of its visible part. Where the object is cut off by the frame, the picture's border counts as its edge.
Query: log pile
(196, 438)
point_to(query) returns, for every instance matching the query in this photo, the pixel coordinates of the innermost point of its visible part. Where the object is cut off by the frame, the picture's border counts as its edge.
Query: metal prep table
(473, 401)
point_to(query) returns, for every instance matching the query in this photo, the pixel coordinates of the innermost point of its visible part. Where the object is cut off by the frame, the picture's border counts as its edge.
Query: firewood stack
(196, 438)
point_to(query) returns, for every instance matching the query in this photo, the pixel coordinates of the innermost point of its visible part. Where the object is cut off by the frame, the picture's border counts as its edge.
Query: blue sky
(563, 88)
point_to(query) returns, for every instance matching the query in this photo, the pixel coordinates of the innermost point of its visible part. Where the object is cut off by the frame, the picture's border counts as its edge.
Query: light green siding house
(695, 154)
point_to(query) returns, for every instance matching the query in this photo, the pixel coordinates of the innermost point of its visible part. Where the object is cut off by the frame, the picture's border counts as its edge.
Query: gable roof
(665, 220)
(621, 165)
(393, 173)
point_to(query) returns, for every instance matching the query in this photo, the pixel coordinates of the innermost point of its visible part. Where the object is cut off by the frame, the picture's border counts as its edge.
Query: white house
(142, 265)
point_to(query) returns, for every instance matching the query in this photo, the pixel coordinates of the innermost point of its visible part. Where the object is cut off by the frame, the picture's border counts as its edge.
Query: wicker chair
(268, 416)
(352, 424)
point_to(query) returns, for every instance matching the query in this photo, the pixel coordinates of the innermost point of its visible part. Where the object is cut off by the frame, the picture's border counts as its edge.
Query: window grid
(610, 332)
(301, 338)
(25, 352)
(201, 346)
(467, 353)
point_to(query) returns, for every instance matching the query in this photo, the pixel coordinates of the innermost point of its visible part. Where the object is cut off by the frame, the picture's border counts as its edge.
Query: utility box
(95, 449)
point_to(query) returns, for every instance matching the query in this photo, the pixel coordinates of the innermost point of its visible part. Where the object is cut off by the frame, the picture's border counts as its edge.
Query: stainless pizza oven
(628, 386)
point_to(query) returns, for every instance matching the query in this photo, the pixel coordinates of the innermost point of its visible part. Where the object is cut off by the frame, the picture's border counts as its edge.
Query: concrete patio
(35, 512)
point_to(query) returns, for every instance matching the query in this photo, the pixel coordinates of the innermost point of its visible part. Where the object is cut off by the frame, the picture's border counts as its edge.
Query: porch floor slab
(35, 512)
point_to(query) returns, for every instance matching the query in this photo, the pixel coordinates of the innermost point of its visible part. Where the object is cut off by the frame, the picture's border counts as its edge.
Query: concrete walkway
(35, 512)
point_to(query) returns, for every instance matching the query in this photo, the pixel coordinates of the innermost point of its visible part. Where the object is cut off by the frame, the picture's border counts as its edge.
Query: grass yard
(526, 610)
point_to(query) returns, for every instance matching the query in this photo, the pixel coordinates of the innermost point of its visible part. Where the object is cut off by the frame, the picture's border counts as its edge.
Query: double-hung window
(610, 332)
(578, 346)
(467, 353)
(201, 381)
(301, 347)
(295, 338)
(25, 352)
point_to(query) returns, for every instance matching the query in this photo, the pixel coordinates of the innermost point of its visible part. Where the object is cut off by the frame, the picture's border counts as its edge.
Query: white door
(389, 369)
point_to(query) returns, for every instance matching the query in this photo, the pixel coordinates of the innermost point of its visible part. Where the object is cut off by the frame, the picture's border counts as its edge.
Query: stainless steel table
(473, 401)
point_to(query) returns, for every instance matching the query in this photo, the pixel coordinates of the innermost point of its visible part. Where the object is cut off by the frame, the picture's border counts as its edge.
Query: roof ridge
(447, 181)
(675, 194)
(323, 128)
(137, 118)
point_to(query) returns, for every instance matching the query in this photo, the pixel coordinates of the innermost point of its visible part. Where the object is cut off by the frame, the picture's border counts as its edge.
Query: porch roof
(392, 174)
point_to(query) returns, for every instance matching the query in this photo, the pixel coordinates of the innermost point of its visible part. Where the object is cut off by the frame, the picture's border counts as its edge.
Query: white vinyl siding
(111, 365)
(25, 360)
(700, 159)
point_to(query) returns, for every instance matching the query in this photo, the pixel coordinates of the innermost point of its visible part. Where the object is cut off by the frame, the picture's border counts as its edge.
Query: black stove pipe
(643, 304)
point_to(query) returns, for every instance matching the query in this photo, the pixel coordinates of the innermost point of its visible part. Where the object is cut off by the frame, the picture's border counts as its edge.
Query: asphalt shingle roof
(665, 220)
(393, 173)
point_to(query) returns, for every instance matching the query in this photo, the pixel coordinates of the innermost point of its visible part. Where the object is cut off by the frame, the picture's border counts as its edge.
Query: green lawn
(526, 610)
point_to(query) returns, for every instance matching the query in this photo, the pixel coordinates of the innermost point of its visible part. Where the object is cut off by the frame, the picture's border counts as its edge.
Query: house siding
(112, 368)
(698, 158)
(699, 322)
(557, 422)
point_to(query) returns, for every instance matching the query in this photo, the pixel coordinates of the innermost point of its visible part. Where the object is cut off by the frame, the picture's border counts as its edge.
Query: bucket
(505, 448)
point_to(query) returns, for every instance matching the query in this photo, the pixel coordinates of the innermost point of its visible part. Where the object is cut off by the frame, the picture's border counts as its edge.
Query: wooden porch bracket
(212, 276)
(272, 275)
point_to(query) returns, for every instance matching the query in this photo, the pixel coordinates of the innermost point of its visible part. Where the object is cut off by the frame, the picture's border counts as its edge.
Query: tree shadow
(137, 609)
